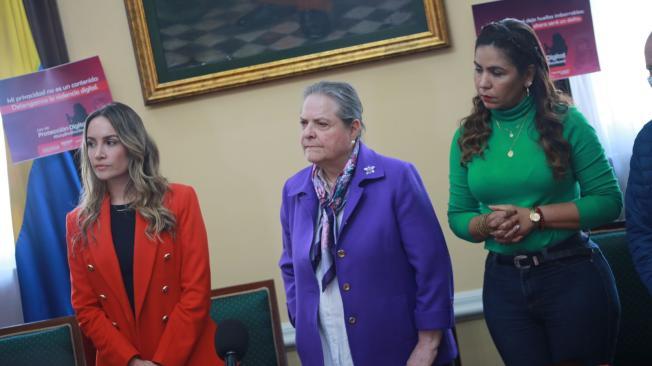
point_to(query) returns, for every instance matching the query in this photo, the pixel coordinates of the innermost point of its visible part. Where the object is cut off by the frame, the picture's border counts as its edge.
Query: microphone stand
(231, 358)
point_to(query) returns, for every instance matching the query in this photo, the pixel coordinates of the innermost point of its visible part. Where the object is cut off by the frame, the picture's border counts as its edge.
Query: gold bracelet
(481, 226)
(486, 230)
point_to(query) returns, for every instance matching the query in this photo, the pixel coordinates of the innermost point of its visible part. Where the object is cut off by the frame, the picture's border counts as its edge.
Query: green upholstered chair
(635, 333)
(255, 305)
(54, 342)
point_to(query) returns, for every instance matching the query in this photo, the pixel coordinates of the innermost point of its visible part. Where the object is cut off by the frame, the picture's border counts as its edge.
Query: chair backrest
(633, 347)
(54, 342)
(254, 304)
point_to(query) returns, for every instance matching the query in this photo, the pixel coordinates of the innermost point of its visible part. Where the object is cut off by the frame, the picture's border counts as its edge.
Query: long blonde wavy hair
(146, 186)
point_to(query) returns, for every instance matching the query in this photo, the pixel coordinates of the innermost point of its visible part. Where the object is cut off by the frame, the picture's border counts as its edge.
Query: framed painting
(190, 47)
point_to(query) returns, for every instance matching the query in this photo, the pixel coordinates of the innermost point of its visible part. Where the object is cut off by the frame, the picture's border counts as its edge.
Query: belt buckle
(521, 257)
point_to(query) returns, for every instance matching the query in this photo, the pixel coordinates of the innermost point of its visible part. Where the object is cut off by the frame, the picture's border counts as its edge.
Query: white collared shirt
(332, 328)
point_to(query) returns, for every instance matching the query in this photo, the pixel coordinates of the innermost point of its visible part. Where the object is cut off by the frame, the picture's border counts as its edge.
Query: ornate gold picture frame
(190, 47)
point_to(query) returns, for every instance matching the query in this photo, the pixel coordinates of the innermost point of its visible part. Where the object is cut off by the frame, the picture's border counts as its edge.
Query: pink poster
(564, 27)
(43, 113)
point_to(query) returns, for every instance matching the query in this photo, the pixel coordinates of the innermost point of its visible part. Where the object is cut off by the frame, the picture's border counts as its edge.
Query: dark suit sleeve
(638, 205)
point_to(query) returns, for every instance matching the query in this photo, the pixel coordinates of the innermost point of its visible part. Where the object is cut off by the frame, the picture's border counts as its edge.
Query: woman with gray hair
(138, 252)
(366, 269)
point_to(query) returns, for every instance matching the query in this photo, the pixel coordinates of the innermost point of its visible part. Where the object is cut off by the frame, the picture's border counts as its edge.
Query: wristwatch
(536, 216)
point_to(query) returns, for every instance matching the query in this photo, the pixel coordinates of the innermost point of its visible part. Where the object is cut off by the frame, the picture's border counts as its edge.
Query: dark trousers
(562, 310)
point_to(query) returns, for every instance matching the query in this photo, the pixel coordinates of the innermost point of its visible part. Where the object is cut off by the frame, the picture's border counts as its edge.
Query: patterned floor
(214, 36)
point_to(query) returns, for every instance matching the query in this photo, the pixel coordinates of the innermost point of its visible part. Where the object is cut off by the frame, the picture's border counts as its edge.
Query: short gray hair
(344, 95)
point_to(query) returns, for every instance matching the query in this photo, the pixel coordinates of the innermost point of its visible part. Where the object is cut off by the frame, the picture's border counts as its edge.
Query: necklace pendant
(511, 134)
(510, 153)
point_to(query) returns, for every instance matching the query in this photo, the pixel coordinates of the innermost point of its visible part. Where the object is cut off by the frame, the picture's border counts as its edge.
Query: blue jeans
(562, 310)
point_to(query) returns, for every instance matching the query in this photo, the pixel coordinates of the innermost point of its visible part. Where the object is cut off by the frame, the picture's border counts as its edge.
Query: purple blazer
(392, 254)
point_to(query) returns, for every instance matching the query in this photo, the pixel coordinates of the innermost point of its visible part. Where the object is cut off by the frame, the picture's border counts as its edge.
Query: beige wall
(238, 147)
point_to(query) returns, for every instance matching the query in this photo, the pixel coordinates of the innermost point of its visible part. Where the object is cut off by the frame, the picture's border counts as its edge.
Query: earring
(352, 142)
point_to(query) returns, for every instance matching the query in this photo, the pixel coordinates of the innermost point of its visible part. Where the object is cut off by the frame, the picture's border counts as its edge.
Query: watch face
(534, 216)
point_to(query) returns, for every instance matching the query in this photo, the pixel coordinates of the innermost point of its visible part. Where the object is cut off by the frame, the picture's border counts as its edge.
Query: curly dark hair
(522, 47)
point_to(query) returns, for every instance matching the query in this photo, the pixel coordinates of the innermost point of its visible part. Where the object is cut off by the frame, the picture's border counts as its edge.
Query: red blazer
(171, 324)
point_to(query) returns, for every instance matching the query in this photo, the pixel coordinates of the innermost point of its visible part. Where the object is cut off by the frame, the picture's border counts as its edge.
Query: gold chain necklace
(510, 152)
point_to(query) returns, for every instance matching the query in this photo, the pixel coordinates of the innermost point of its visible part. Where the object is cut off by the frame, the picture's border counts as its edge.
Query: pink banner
(43, 113)
(564, 27)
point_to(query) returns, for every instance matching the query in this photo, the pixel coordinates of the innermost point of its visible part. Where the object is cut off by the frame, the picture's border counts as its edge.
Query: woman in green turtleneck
(527, 172)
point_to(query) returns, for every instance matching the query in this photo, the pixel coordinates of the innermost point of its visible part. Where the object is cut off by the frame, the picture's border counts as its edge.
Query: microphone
(231, 341)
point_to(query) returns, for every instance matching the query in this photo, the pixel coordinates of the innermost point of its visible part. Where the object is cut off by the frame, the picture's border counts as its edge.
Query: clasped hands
(509, 224)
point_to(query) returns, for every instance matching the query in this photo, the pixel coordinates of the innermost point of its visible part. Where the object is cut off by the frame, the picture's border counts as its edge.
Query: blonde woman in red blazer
(138, 252)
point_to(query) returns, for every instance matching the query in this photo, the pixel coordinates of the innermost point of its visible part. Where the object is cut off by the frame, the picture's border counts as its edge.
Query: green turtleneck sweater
(526, 179)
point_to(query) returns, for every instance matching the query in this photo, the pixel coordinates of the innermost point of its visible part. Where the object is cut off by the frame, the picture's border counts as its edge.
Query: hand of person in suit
(425, 352)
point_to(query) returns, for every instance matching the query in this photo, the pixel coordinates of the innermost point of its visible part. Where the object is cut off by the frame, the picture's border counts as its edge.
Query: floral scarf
(330, 207)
